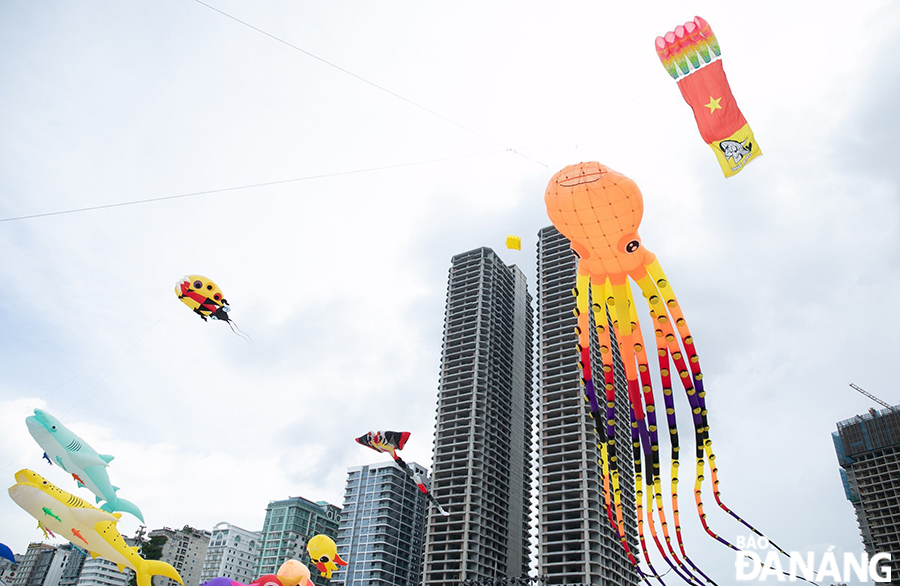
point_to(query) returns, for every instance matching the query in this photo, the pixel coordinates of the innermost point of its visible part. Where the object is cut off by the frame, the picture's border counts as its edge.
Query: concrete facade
(868, 451)
(482, 452)
(577, 544)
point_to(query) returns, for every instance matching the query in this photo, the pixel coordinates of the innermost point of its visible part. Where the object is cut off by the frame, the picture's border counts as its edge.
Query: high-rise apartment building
(37, 564)
(868, 450)
(232, 553)
(288, 526)
(482, 450)
(382, 526)
(577, 543)
(73, 562)
(185, 550)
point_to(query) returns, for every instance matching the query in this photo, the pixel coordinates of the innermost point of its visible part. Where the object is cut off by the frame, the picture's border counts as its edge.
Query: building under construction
(868, 450)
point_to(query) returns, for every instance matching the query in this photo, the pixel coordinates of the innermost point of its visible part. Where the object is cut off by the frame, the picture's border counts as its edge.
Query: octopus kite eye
(324, 559)
(198, 284)
(629, 243)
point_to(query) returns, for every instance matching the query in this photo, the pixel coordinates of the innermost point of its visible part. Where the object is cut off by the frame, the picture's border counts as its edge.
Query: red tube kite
(692, 52)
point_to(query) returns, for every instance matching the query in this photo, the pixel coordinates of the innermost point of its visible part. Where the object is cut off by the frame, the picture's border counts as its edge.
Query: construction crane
(869, 395)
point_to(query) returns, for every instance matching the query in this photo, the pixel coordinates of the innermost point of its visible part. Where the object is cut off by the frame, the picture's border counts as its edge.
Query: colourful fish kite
(692, 52)
(389, 442)
(599, 211)
(206, 300)
(323, 552)
(76, 457)
(73, 518)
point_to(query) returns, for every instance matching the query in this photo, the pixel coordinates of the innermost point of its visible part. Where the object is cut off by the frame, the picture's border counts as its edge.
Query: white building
(232, 553)
(102, 572)
(185, 550)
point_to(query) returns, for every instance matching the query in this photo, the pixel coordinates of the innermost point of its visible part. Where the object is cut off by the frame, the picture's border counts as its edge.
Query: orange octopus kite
(599, 211)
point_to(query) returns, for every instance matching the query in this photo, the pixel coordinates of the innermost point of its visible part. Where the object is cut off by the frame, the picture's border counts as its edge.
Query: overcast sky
(787, 273)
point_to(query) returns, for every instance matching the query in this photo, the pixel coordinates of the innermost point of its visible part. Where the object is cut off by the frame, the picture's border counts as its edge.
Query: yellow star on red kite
(713, 104)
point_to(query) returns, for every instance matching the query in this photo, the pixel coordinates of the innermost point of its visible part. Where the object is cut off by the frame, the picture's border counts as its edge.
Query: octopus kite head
(599, 210)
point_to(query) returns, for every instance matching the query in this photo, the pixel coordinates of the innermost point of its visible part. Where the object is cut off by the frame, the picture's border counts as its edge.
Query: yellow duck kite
(323, 552)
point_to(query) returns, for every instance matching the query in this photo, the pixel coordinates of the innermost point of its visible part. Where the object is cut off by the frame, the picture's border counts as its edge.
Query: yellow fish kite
(84, 525)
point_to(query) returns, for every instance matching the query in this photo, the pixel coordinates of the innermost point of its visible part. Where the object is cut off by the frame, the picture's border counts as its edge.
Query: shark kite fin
(106, 458)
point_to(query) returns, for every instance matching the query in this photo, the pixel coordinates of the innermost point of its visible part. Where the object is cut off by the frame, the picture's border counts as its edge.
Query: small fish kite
(389, 442)
(693, 52)
(206, 300)
(323, 551)
(514, 242)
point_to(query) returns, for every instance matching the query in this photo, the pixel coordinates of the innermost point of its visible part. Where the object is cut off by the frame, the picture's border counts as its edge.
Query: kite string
(138, 337)
(249, 186)
(371, 83)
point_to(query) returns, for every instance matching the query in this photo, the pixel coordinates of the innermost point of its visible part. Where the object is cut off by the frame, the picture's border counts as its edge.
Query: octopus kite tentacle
(631, 345)
(696, 394)
(666, 380)
(608, 443)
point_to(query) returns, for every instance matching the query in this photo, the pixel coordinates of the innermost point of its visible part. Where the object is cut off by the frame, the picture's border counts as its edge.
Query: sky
(392, 135)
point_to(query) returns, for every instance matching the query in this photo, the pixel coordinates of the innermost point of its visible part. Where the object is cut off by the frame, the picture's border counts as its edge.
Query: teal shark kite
(96, 529)
(76, 457)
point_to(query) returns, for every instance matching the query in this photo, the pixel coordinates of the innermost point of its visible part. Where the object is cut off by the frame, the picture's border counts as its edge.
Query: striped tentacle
(639, 498)
(653, 472)
(696, 396)
(698, 403)
(609, 460)
(661, 300)
(615, 298)
(648, 288)
(645, 438)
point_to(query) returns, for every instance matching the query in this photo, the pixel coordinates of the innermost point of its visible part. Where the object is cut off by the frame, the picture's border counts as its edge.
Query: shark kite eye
(198, 284)
(53, 427)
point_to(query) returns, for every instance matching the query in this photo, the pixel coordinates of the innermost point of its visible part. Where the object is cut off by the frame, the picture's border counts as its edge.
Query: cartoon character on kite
(75, 456)
(84, 525)
(294, 573)
(291, 573)
(323, 551)
(389, 442)
(205, 299)
(693, 52)
(599, 211)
